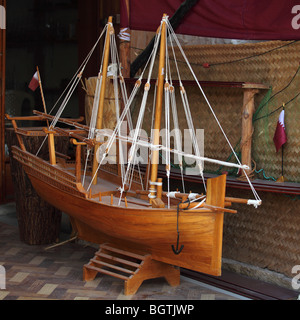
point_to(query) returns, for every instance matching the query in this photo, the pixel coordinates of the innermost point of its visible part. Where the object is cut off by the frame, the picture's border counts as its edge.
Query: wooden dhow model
(149, 229)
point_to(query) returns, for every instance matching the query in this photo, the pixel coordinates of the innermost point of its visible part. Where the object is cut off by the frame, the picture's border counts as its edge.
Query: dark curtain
(231, 19)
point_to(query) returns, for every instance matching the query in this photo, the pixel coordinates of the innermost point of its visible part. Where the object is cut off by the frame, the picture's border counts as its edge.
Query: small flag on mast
(34, 83)
(280, 136)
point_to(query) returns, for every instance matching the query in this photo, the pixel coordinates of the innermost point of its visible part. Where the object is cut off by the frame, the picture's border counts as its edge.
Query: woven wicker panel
(215, 145)
(109, 110)
(273, 63)
(227, 105)
(267, 237)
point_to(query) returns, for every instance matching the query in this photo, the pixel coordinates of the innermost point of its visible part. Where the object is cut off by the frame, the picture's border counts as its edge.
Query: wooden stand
(250, 90)
(131, 267)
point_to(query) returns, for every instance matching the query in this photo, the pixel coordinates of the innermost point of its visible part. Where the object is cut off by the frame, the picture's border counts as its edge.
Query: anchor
(177, 251)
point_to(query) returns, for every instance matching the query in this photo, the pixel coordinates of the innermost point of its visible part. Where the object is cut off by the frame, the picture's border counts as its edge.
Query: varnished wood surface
(136, 268)
(152, 229)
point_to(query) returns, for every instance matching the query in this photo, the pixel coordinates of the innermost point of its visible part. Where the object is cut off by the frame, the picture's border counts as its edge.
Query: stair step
(112, 266)
(125, 253)
(113, 274)
(105, 262)
(110, 257)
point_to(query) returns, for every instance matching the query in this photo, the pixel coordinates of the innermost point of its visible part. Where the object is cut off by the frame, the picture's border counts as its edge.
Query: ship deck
(105, 186)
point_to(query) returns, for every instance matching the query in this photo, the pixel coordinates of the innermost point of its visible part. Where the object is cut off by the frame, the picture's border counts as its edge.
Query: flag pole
(282, 160)
(282, 148)
(42, 93)
(281, 179)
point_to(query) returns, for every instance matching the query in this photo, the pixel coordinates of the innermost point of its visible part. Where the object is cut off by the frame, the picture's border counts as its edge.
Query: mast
(99, 122)
(158, 109)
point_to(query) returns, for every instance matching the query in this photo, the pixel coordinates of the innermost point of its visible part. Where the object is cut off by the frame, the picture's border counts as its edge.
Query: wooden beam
(216, 197)
(247, 126)
(205, 83)
(51, 143)
(99, 122)
(158, 107)
(78, 159)
(125, 49)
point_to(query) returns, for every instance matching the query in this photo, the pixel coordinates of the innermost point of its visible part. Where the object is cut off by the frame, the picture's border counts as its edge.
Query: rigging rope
(187, 112)
(121, 119)
(75, 79)
(167, 120)
(258, 200)
(133, 153)
(169, 100)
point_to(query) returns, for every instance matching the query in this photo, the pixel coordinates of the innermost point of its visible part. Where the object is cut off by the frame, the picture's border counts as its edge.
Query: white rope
(117, 128)
(176, 123)
(198, 205)
(188, 117)
(155, 183)
(140, 119)
(178, 142)
(84, 63)
(128, 115)
(254, 203)
(167, 124)
(126, 110)
(132, 153)
(192, 130)
(147, 144)
(66, 99)
(75, 79)
(94, 115)
(193, 196)
(172, 194)
(208, 103)
(114, 58)
(169, 97)
(93, 119)
(124, 34)
(167, 120)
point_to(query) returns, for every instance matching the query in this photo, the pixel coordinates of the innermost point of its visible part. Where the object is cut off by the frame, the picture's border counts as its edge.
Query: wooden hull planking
(149, 229)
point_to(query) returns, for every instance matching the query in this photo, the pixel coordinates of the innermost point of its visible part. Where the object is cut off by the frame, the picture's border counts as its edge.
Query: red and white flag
(34, 83)
(280, 136)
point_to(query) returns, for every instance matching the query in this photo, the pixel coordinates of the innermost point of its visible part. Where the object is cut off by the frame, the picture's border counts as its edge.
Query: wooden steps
(131, 267)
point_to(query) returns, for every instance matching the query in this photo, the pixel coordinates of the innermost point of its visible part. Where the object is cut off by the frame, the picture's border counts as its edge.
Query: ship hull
(153, 230)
